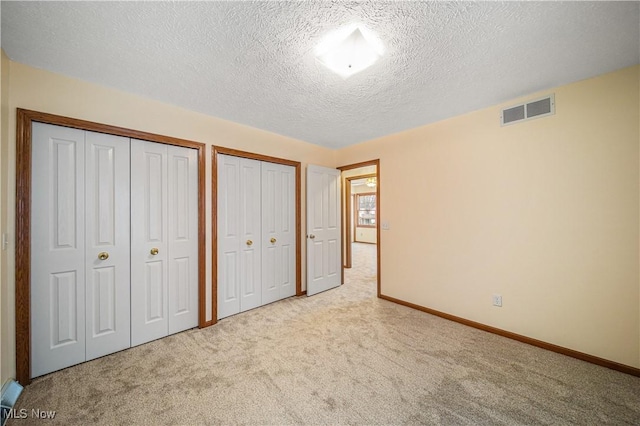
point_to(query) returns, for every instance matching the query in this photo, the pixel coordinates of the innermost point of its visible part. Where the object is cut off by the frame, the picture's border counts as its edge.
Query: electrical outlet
(497, 300)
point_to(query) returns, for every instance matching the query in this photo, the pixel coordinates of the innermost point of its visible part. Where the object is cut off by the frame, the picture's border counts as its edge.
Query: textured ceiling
(253, 62)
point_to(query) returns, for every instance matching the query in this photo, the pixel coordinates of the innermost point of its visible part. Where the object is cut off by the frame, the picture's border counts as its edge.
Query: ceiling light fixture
(371, 182)
(349, 50)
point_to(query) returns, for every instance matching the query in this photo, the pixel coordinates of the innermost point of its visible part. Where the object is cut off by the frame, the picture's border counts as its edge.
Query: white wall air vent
(530, 110)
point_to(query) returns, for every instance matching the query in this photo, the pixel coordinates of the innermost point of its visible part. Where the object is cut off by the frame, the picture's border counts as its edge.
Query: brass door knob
(103, 255)
(249, 242)
(154, 251)
(312, 236)
(273, 240)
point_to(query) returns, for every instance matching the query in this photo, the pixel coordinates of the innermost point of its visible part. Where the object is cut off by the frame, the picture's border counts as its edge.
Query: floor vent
(530, 110)
(10, 393)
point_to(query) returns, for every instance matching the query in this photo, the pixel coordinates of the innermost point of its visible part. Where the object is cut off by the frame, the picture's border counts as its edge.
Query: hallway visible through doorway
(361, 222)
(364, 265)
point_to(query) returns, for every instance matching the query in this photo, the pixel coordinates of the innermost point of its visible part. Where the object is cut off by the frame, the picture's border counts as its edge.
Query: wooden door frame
(349, 217)
(25, 119)
(215, 150)
(344, 215)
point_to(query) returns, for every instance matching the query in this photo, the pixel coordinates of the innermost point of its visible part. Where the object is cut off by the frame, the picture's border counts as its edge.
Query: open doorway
(361, 224)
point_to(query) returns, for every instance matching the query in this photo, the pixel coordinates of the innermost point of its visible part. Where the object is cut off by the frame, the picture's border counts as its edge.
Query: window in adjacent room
(366, 212)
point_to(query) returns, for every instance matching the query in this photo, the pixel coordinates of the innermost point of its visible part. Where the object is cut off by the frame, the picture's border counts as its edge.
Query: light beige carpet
(340, 357)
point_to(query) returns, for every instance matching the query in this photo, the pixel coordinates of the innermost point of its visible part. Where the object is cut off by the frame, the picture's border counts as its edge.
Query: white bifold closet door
(278, 232)
(239, 239)
(256, 233)
(164, 243)
(79, 246)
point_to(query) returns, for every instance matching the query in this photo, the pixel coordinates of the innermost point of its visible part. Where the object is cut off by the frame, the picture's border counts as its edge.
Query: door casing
(345, 213)
(214, 214)
(25, 118)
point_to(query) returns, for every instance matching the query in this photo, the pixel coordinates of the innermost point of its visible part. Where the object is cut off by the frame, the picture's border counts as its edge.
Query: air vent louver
(534, 109)
(513, 114)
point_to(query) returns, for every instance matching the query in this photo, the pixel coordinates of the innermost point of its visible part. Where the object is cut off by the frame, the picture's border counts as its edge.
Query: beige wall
(7, 341)
(39, 90)
(365, 235)
(544, 212)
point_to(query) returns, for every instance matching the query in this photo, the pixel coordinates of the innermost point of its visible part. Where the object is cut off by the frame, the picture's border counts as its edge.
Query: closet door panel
(278, 231)
(57, 249)
(149, 247)
(250, 253)
(270, 250)
(183, 238)
(287, 232)
(228, 226)
(108, 275)
(239, 235)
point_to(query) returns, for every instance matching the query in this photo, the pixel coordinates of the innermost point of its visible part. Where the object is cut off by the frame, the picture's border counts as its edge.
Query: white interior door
(278, 232)
(323, 229)
(183, 238)
(239, 246)
(149, 247)
(57, 248)
(107, 239)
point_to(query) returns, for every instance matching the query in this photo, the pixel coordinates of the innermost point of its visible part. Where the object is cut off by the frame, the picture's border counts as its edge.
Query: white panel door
(250, 235)
(278, 232)
(149, 256)
(323, 229)
(228, 228)
(183, 238)
(107, 247)
(57, 249)
(239, 246)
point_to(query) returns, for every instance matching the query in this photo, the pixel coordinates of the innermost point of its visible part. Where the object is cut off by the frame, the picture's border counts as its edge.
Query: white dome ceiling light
(349, 50)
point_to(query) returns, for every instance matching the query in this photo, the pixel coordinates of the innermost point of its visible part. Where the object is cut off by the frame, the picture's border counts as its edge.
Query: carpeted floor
(340, 357)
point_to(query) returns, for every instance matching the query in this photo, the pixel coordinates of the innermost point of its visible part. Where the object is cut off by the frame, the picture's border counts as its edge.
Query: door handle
(273, 240)
(249, 242)
(154, 251)
(312, 236)
(103, 255)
